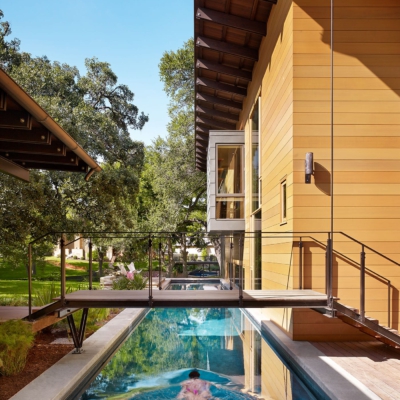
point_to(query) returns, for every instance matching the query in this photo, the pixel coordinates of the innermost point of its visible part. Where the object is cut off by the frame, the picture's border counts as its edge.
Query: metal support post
(362, 284)
(230, 263)
(300, 264)
(78, 336)
(90, 265)
(159, 266)
(389, 301)
(241, 281)
(63, 276)
(150, 272)
(30, 280)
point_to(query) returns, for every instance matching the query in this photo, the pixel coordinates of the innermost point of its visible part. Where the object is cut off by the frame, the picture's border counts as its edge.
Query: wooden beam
(223, 69)
(229, 48)
(216, 124)
(203, 131)
(218, 100)
(69, 159)
(202, 138)
(56, 149)
(201, 145)
(216, 113)
(3, 101)
(245, 24)
(57, 167)
(16, 119)
(221, 86)
(271, 1)
(13, 169)
(36, 135)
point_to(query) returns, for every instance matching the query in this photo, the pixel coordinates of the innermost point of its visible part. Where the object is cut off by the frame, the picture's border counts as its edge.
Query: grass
(10, 289)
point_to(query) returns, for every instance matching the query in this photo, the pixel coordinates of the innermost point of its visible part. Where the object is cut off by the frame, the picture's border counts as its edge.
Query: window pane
(230, 208)
(230, 169)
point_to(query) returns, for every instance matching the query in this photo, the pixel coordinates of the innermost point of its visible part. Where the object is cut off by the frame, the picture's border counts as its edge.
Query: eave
(31, 139)
(228, 35)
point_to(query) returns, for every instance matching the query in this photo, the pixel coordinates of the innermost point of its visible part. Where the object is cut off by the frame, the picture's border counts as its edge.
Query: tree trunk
(101, 258)
(218, 252)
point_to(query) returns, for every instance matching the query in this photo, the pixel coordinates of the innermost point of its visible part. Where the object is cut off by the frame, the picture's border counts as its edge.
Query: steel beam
(13, 169)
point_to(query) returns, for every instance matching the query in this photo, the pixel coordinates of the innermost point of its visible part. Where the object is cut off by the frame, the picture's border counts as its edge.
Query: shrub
(16, 338)
(13, 301)
(123, 283)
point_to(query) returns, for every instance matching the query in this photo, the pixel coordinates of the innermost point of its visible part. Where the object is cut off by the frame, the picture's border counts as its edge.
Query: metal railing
(235, 269)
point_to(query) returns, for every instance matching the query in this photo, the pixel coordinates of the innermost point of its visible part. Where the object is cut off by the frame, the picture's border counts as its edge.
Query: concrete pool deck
(74, 371)
(311, 363)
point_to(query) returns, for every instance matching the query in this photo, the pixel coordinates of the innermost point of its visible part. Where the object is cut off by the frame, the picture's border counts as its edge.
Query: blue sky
(129, 34)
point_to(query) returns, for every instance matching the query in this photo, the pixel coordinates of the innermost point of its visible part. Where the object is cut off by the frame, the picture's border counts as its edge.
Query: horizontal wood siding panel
(366, 143)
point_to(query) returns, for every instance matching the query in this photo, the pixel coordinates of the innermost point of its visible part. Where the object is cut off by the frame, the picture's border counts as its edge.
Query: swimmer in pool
(195, 388)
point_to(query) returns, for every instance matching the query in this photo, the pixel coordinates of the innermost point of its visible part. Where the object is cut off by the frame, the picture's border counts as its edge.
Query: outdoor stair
(369, 326)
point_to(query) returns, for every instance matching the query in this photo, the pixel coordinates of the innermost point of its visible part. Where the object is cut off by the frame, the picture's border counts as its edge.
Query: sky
(131, 35)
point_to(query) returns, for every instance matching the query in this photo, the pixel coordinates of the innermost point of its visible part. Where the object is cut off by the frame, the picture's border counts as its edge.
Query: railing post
(30, 280)
(90, 264)
(300, 264)
(150, 272)
(63, 277)
(362, 284)
(159, 266)
(327, 268)
(329, 274)
(231, 262)
(241, 283)
(389, 301)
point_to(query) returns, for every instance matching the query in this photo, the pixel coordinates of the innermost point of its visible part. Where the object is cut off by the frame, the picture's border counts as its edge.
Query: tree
(99, 113)
(172, 189)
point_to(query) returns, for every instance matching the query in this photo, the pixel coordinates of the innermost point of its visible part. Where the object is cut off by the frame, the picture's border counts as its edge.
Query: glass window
(230, 169)
(230, 208)
(230, 187)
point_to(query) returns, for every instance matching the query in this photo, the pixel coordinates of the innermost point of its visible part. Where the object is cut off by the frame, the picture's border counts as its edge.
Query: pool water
(220, 343)
(195, 286)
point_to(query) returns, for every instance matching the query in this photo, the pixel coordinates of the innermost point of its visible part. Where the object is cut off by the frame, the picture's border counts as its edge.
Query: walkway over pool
(195, 298)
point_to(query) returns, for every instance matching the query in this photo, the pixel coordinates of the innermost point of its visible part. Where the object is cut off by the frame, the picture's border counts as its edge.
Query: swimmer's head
(194, 374)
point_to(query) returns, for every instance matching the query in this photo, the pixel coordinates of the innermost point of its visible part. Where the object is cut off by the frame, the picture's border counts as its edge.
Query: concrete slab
(74, 371)
(329, 380)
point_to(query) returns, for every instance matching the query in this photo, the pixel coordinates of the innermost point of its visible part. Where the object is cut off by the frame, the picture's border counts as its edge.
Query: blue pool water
(220, 343)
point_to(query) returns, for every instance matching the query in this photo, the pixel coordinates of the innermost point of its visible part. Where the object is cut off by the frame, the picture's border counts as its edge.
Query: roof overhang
(228, 35)
(31, 139)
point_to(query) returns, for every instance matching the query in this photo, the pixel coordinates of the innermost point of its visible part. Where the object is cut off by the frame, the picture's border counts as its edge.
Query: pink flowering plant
(132, 281)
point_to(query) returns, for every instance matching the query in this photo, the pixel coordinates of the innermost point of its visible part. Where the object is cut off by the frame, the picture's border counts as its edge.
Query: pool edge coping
(334, 382)
(71, 373)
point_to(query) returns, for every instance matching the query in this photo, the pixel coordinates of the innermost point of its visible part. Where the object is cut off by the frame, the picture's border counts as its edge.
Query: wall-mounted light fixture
(309, 166)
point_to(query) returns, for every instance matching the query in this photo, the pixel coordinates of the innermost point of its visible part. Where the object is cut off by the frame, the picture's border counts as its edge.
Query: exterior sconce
(309, 166)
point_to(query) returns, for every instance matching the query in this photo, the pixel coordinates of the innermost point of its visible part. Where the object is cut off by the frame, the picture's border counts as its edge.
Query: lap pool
(221, 344)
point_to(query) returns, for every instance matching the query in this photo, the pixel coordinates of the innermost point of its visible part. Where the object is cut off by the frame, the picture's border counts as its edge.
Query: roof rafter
(233, 21)
(223, 69)
(215, 123)
(216, 113)
(228, 48)
(221, 86)
(218, 100)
